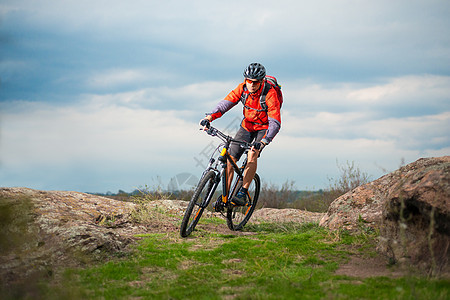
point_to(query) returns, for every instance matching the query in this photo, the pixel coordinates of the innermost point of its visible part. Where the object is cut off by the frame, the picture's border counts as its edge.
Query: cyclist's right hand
(205, 123)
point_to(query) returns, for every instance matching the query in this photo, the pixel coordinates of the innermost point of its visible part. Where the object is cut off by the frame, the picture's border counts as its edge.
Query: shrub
(316, 201)
(351, 177)
(274, 197)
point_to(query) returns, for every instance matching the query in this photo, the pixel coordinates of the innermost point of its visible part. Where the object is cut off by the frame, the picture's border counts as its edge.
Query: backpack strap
(262, 99)
(244, 95)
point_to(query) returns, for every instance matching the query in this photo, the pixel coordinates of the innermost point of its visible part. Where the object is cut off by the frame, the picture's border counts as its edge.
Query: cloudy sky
(97, 96)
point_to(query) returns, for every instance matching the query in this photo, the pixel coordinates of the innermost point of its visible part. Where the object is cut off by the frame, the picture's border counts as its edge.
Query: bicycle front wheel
(197, 204)
(238, 216)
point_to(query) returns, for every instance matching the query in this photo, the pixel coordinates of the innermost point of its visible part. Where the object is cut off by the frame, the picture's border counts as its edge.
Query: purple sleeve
(222, 107)
(274, 127)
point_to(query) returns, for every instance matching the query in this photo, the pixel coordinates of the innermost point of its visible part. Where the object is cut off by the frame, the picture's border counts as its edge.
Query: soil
(364, 267)
(358, 266)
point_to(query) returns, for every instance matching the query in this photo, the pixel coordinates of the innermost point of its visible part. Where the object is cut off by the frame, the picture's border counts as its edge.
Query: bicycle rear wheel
(197, 204)
(238, 216)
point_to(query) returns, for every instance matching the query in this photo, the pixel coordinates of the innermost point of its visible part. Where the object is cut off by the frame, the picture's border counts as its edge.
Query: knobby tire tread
(188, 224)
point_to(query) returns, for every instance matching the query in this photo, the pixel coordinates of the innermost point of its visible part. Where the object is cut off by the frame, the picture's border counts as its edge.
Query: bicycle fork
(208, 198)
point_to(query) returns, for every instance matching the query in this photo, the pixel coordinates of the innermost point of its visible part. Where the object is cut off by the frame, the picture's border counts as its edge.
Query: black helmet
(255, 71)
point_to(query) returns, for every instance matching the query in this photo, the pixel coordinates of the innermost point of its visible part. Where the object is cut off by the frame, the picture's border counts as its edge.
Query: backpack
(269, 82)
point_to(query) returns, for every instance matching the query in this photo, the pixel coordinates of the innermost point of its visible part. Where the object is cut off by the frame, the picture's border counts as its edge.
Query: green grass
(284, 261)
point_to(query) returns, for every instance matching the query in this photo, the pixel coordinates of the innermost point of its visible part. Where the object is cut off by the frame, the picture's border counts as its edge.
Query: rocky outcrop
(411, 209)
(43, 230)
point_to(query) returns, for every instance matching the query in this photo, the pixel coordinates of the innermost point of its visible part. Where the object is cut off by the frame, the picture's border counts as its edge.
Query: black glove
(204, 123)
(259, 145)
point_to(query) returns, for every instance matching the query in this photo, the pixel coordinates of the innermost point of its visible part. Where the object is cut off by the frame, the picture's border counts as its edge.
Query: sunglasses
(252, 81)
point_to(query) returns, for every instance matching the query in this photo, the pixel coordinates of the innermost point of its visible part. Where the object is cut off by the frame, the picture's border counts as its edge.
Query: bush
(274, 197)
(351, 177)
(316, 201)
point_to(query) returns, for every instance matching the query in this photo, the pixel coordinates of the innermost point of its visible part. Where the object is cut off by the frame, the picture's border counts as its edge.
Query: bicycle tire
(194, 211)
(238, 216)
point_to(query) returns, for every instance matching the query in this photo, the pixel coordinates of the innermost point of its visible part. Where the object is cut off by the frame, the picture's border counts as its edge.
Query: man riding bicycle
(259, 126)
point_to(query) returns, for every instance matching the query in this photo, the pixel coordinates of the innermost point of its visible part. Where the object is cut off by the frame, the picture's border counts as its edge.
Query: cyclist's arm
(229, 102)
(274, 128)
(274, 116)
(221, 108)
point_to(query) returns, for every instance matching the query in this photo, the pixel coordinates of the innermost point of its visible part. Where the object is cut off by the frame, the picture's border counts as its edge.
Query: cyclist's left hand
(258, 146)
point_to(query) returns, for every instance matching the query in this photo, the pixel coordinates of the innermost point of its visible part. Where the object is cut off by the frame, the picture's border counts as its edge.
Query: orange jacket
(253, 120)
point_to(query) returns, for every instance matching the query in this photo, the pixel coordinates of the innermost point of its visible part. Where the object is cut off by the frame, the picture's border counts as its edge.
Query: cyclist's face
(252, 85)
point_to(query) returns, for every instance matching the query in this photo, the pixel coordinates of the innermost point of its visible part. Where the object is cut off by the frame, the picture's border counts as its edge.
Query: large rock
(411, 209)
(43, 230)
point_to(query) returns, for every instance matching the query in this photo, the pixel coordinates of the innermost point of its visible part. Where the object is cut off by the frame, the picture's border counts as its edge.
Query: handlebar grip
(206, 123)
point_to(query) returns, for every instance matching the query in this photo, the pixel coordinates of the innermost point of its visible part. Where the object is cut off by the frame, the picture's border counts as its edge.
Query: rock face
(41, 230)
(411, 209)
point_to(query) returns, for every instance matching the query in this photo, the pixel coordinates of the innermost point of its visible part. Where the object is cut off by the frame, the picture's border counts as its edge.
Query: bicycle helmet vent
(255, 71)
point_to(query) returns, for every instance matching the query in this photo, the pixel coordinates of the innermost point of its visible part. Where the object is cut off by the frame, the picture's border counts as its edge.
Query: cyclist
(259, 125)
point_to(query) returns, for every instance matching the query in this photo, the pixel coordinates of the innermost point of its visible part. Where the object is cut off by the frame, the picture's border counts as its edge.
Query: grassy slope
(274, 261)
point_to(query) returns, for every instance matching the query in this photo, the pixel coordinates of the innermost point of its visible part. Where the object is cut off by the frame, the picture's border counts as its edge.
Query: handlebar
(226, 138)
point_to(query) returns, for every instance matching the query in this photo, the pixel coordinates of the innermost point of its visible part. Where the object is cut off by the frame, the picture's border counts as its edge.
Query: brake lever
(212, 131)
(209, 130)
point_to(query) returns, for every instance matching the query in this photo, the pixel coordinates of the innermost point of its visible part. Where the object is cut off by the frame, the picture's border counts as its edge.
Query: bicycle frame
(225, 155)
(224, 158)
